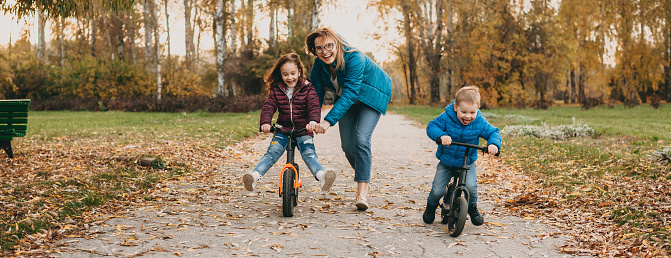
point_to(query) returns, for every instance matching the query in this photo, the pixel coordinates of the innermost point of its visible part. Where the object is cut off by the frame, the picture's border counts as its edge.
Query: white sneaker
(329, 178)
(250, 180)
(361, 203)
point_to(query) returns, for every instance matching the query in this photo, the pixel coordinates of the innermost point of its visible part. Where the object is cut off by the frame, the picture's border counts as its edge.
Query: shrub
(151, 104)
(553, 132)
(662, 156)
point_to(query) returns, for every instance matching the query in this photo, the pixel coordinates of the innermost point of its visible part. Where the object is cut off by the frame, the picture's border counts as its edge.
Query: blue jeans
(442, 178)
(356, 130)
(277, 147)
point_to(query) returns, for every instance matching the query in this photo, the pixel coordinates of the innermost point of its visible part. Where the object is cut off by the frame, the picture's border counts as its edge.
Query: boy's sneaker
(250, 180)
(476, 217)
(429, 214)
(329, 178)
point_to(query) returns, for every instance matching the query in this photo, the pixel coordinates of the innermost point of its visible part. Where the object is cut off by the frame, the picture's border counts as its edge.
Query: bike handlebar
(275, 128)
(468, 145)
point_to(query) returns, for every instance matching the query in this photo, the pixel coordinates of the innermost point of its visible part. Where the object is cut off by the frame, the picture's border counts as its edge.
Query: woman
(362, 91)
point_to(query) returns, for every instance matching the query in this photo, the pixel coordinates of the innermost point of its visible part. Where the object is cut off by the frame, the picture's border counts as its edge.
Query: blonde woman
(362, 91)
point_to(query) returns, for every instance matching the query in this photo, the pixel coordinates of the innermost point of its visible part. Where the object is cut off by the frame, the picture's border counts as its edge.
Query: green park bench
(13, 122)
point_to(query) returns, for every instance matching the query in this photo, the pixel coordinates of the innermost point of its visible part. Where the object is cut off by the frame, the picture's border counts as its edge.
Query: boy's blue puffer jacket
(362, 80)
(448, 124)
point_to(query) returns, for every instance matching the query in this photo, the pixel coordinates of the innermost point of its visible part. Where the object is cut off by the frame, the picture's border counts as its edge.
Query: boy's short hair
(469, 94)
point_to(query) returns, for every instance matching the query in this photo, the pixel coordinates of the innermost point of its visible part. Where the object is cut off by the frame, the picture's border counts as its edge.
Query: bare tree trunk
(200, 29)
(290, 21)
(221, 48)
(108, 38)
(574, 86)
(120, 20)
(157, 58)
(61, 46)
(668, 66)
(188, 33)
(250, 22)
(316, 4)
(432, 43)
(581, 83)
(567, 92)
(167, 27)
(92, 27)
(232, 24)
(41, 45)
(130, 20)
(148, 29)
(272, 38)
(411, 62)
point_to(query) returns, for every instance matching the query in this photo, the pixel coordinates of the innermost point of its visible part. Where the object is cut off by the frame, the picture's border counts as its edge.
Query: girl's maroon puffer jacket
(295, 113)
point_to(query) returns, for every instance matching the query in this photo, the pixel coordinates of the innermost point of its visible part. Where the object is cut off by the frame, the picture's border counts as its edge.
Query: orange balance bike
(290, 180)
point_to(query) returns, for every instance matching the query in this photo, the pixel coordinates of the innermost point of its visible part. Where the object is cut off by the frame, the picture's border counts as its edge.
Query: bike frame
(463, 170)
(461, 179)
(291, 148)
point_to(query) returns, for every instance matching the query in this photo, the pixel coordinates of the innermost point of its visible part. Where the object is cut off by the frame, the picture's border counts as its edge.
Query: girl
(297, 103)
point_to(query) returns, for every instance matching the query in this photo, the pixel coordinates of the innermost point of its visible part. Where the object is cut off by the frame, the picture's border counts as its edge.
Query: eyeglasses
(328, 47)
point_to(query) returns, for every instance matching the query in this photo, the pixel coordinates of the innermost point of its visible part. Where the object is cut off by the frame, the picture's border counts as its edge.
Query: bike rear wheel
(457, 217)
(288, 194)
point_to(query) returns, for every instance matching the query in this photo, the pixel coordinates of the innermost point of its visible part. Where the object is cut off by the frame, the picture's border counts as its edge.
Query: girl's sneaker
(250, 180)
(327, 181)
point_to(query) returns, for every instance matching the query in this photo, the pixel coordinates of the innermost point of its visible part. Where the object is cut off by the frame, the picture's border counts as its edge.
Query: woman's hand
(447, 140)
(311, 127)
(492, 149)
(265, 128)
(322, 127)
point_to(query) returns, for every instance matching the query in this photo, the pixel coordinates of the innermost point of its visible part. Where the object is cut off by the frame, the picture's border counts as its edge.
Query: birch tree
(41, 20)
(148, 30)
(232, 26)
(272, 33)
(189, 33)
(157, 57)
(221, 47)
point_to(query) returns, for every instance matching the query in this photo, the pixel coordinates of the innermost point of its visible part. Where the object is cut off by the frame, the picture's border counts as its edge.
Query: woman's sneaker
(250, 180)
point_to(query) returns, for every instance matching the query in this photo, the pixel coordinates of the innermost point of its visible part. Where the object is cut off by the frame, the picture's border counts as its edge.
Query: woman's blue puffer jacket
(362, 80)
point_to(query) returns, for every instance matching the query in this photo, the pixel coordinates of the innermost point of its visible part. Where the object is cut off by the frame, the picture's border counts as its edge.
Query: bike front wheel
(457, 216)
(288, 194)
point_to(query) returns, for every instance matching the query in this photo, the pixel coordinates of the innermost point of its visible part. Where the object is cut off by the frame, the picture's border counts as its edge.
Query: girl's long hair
(339, 44)
(274, 75)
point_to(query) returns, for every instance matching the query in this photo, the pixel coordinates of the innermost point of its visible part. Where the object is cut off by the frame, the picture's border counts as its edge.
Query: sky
(350, 18)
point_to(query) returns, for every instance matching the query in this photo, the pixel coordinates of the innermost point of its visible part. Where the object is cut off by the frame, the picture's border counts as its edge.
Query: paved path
(210, 215)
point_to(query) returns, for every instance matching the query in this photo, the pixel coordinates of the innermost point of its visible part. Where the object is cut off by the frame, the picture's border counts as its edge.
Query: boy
(461, 122)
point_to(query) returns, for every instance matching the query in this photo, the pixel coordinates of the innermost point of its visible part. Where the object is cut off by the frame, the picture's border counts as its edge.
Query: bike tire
(288, 196)
(457, 217)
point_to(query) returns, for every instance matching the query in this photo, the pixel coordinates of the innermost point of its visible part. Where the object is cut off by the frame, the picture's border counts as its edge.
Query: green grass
(223, 128)
(641, 121)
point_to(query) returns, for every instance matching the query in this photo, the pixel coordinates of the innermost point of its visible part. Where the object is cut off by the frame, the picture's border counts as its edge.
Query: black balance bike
(290, 180)
(454, 205)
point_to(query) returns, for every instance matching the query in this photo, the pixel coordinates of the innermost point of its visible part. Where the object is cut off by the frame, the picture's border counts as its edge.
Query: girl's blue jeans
(277, 147)
(356, 130)
(442, 178)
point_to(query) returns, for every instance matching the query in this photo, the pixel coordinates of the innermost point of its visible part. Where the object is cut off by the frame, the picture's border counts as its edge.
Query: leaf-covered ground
(56, 189)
